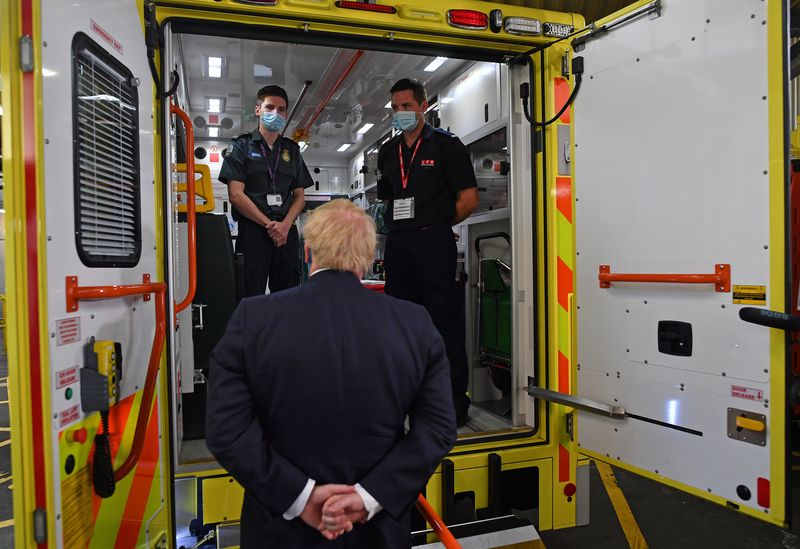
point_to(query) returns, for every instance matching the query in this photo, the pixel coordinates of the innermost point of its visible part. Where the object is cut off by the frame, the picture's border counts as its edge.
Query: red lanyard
(403, 174)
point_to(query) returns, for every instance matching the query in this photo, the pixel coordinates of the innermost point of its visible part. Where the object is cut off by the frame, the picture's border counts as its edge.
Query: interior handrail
(437, 524)
(75, 293)
(191, 213)
(721, 278)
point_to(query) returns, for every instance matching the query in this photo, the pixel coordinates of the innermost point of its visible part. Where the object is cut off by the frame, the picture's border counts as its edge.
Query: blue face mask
(272, 121)
(404, 120)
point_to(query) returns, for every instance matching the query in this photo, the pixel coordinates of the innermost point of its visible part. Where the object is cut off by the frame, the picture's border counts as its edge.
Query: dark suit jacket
(315, 382)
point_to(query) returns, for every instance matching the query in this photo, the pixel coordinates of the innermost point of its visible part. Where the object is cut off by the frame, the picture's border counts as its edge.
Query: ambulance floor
(6, 483)
(657, 516)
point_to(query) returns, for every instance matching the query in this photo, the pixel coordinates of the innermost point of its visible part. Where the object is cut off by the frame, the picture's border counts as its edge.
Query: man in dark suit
(309, 389)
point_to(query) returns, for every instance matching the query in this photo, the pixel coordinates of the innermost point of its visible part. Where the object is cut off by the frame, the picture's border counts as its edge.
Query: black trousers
(264, 261)
(421, 267)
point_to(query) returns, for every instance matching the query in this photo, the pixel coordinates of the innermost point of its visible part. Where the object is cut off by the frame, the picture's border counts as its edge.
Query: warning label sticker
(738, 391)
(66, 377)
(69, 415)
(68, 330)
(750, 295)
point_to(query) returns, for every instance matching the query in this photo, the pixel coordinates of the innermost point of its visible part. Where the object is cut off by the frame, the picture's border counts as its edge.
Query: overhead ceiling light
(215, 105)
(48, 72)
(388, 105)
(447, 99)
(213, 131)
(215, 67)
(261, 71)
(435, 64)
(344, 147)
(365, 128)
(1, 110)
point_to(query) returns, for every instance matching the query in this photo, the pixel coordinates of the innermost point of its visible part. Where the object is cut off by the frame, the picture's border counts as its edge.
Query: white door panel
(671, 177)
(113, 26)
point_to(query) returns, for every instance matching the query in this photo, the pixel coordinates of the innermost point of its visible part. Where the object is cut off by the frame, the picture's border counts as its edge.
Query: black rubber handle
(771, 319)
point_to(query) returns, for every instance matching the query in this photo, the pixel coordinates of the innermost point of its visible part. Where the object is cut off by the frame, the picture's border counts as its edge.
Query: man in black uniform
(266, 179)
(426, 176)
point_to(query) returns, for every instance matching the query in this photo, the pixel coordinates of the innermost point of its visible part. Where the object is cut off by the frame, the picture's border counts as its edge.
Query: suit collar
(331, 276)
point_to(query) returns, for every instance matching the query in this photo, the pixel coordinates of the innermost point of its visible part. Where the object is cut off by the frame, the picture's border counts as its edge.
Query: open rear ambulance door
(87, 300)
(680, 168)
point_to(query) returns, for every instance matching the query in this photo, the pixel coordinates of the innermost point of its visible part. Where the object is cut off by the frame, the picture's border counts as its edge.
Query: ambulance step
(228, 535)
(495, 533)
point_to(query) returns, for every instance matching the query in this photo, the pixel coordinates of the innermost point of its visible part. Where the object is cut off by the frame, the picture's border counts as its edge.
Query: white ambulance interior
(340, 114)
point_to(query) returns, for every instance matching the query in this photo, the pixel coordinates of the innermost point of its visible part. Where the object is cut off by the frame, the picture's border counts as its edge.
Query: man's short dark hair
(411, 84)
(271, 91)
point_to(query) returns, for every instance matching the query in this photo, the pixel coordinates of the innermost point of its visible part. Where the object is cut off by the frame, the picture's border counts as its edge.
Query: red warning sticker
(68, 330)
(66, 377)
(69, 415)
(747, 393)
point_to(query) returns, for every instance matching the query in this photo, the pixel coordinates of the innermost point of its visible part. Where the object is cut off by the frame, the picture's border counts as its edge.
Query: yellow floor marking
(623, 510)
(7, 523)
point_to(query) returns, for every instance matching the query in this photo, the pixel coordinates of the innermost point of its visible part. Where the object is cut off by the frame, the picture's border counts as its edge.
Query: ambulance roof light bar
(467, 19)
(347, 4)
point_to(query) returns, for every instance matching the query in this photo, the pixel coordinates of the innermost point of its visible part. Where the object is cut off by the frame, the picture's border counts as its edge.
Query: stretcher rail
(75, 293)
(721, 278)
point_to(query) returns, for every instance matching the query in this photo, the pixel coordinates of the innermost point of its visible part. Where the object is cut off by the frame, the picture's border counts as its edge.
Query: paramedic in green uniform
(266, 179)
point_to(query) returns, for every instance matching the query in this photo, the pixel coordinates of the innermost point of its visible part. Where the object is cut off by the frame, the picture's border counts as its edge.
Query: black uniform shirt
(245, 162)
(440, 170)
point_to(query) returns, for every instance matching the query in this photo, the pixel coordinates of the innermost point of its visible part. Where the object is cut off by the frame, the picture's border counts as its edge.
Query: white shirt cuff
(370, 503)
(300, 503)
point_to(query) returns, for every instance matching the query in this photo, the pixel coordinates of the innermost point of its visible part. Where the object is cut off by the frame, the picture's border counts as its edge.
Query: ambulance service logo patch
(286, 156)
(427, 163)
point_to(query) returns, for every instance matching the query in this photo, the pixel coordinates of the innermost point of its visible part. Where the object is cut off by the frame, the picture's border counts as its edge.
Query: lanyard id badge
(403, 208)
(271, 170)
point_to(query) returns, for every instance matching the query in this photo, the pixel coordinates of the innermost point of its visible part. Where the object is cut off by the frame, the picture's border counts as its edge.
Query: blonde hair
(341, 236)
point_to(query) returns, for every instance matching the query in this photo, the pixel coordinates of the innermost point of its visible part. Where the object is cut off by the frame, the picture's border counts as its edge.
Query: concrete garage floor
(667, 518)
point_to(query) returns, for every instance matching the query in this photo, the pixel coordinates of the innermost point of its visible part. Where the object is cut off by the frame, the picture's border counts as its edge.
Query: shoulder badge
(285, 156)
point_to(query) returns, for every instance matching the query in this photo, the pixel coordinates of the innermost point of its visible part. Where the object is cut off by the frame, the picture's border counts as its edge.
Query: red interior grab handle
(191, 214)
